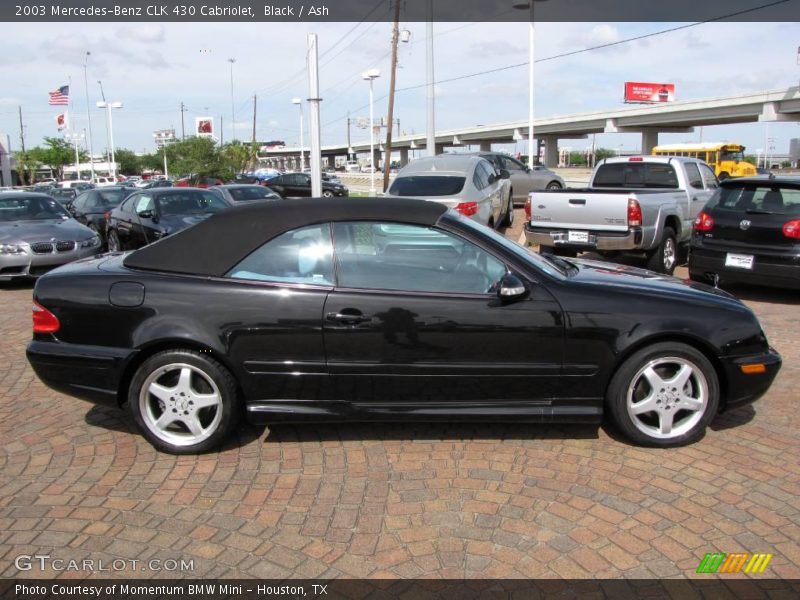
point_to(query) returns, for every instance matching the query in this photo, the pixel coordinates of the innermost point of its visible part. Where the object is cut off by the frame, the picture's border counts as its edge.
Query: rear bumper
(743, 389)
(91, 373)
(598, 240)
(768, 270)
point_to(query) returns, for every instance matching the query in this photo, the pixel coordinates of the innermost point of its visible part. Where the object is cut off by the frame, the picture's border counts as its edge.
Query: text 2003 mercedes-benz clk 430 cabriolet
(385, 309)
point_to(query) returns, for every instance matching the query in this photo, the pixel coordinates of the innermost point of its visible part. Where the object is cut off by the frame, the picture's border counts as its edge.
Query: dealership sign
(649, 93)
(204, 126)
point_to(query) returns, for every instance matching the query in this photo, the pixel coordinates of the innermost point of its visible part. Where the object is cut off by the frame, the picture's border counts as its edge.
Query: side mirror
(492, 178)
(145, 214)
(511, 288)
(504, 174)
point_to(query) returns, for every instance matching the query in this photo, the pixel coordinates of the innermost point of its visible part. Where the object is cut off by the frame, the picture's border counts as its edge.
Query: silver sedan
(524, 180)
(37, 234)
(468, 184)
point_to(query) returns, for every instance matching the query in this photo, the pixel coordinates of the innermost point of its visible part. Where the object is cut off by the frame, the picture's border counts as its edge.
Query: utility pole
(348, 135)
(254, 152)
(21, 131)
(429, 89)
(313, 109)
(255, 102)
(387, 153)
(221, 133)
(183, 128)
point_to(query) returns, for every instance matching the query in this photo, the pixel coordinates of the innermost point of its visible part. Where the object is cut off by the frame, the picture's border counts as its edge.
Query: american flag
(59, 97)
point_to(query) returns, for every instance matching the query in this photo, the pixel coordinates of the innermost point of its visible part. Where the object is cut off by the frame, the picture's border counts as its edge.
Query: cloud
(496, 48)
(146, 34)
(601, 34)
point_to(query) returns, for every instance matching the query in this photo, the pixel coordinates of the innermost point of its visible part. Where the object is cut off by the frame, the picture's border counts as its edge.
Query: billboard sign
(204, 126)
(637, 92)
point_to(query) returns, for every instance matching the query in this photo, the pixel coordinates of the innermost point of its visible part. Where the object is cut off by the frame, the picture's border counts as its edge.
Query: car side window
(144, 203)
(708, 177)
(693, 175)
(393, 256)
(481, 177)
(509, 164)
(302, 255)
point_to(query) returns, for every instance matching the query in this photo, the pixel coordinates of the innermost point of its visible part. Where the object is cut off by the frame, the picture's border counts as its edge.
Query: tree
(238, 157)
(601, 153)
(127, 162)
(27, 166)
(56, 154)
(198, 156)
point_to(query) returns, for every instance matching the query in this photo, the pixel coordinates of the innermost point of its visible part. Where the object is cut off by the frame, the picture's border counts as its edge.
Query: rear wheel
(664, 395)
(554, 185)
(664, 258)
(327, 194)
(183, 402)
(113, 241)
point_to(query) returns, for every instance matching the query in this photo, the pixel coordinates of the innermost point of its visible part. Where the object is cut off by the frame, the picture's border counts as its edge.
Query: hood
(28, 232)
(593, 272)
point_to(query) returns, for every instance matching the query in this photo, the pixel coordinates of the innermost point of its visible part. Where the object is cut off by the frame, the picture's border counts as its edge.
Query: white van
(352, 166)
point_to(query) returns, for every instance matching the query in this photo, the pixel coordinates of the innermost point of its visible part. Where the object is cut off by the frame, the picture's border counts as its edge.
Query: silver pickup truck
(641, 204)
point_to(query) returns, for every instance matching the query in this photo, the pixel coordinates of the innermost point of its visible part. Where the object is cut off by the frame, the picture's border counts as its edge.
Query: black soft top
(215, 245)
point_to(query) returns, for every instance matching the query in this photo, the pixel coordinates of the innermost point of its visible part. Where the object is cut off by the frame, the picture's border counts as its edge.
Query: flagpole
(71, 129)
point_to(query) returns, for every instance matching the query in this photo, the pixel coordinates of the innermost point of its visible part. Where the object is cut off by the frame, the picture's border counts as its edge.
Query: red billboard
(649, 93)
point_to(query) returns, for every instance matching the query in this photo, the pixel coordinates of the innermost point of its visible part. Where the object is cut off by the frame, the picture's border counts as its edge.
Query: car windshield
(190, 202)
(33, 208)
(255, 192)
(427, 185)
(112, 197)
(540, 261)
(731, 155)
(768, 198)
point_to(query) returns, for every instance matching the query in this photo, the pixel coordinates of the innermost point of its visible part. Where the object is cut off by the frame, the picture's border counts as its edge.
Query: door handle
(348, 318)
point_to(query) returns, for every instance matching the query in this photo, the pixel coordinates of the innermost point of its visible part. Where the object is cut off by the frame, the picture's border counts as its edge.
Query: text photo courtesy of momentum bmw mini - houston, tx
(400, 298)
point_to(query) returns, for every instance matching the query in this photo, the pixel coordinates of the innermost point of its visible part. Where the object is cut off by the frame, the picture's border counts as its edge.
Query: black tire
(565, 252)
(114, 245)
(508, 219)
(176, 437)
(327, 194)
(554, 185)
(629, 387)
(664, 258)
(723, 176)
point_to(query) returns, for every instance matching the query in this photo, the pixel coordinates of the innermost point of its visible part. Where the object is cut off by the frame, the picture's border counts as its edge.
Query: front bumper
(743, 389)
(92, 373)
(31, 264)
(597, 240)
(771, 270)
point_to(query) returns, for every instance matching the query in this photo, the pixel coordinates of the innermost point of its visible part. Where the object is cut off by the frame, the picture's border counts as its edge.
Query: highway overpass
(649, 121)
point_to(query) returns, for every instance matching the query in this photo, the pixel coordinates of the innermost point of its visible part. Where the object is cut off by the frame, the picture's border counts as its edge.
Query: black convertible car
(363, 309)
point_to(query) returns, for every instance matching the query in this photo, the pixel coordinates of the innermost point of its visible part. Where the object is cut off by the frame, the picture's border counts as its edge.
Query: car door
(414, 319)
(521, 180)
(302, 185)
(78, 207)
(274, 335)
(122, 221)
(494, 191)
(142, 230)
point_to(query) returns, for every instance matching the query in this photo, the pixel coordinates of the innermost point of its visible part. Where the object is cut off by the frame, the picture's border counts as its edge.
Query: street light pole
(371, 76)
(315, 151)
(108, 106)
(233, 115)
(108, 143)
(88, 112)
(299, 104)
(429, 88)
(528, 5)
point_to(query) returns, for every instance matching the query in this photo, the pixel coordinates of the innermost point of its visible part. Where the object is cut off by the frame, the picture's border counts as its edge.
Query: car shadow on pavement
(733, 418)
(17, 284)
(416, 431)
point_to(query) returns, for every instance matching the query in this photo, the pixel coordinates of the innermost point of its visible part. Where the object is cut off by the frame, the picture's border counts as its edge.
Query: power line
(574, 52)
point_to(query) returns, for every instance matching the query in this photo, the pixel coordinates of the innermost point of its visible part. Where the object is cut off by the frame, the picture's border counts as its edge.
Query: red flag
(61, 121)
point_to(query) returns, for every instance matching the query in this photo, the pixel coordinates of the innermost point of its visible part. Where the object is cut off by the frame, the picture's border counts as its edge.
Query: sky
(153, 67)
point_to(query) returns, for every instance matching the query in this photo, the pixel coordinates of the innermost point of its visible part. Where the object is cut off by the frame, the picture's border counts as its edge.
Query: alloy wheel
(180, 404)
(669, 255)
(667, 397)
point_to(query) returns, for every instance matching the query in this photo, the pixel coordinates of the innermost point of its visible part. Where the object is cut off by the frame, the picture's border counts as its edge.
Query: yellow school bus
(726, 159)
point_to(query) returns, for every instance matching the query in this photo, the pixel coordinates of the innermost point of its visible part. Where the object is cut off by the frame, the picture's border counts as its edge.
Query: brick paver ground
(397, 500)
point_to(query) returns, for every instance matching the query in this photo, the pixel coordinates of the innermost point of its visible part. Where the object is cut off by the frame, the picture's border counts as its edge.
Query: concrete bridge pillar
(486, 146)
(550, 151)
(439, 148)
(403, 157)
(649, 140)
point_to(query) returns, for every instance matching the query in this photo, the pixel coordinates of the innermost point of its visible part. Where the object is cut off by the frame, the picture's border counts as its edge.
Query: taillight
(791, 229)
(634, 213)
(635, 159)
(43, 320)
(528, 208)
(107, 215)
(467, 208)
(703, 222)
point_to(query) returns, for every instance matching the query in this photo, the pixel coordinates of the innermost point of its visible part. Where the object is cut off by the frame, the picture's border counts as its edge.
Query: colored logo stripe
(720, 562)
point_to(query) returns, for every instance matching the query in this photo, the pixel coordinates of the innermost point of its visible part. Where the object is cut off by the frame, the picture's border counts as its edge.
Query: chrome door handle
(349, 319)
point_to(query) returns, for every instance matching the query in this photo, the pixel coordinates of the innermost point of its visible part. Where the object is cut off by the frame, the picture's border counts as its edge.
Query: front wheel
(554, 185)
(327, 194)
(664, 258)
(183, 402)
(664, 395)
